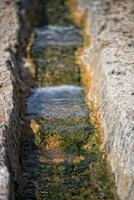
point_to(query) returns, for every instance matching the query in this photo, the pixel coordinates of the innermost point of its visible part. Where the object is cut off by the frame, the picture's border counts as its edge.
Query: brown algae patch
(61, 148)
(80, 17)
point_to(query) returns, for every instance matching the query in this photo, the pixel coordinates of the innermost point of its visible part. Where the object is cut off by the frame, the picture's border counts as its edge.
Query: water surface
(60, 150)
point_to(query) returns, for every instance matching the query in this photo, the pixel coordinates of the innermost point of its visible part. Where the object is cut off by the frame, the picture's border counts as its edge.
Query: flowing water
(61, 158)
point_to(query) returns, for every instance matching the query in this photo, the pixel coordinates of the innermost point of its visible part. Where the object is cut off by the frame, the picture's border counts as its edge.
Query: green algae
(80, 172)
(62, 159)
(53, 64)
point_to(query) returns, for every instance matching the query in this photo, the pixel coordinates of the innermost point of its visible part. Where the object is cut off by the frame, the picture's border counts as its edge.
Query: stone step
(57, 35)
(53, 54)
(59, 102)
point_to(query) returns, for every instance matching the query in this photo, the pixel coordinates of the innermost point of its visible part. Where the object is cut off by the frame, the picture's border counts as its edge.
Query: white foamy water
(57, 35)
(58, 102)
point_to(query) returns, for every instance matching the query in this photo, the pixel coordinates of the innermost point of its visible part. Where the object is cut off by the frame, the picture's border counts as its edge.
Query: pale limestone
(110, 61)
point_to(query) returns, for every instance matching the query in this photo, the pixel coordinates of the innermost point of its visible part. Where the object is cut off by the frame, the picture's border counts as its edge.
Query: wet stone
(57, 103)
(53, 55)
(66, 156)
(61, 36)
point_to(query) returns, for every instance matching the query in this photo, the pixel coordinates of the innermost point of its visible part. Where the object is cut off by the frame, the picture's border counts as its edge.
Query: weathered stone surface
(110, 60)
(14, 30)
(9, 135)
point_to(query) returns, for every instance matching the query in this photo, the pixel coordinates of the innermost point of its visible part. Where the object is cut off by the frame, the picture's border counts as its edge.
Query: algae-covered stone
(53, 55)
(68, 161)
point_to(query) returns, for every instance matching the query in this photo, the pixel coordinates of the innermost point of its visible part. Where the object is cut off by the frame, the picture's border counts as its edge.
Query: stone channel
(60, 149)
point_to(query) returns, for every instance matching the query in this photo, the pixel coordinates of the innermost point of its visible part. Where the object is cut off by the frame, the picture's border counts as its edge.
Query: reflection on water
(60, 148)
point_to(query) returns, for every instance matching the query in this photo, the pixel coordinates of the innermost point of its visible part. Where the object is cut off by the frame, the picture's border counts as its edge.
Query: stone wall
(109, 60)
(9, 119)
(15, 27)
(16, 20)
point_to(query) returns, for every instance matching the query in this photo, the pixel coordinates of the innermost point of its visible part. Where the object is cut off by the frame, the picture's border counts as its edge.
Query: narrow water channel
(60, 154)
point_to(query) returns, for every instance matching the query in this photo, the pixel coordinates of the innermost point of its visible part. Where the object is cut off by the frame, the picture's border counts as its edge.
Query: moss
(86, 178)
(55, 66)
(68, 163)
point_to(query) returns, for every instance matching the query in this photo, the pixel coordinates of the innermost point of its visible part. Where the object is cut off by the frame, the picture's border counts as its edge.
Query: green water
(61, 157)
